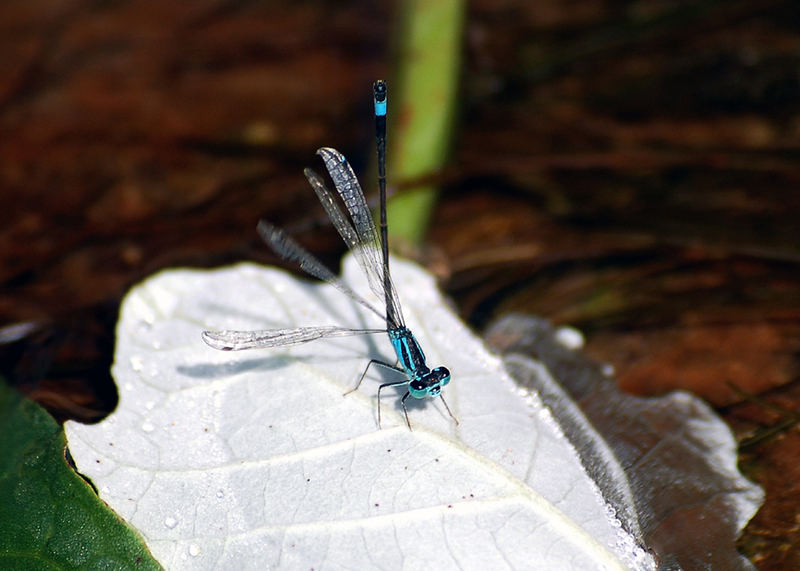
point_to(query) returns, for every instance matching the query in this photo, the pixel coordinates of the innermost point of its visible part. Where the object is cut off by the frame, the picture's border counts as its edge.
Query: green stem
(422, 108)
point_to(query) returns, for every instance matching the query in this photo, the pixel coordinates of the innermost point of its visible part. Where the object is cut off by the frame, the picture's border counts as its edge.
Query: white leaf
(255, 459)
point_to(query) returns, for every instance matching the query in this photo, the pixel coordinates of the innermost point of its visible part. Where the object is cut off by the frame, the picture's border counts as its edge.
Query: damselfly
(371, 250)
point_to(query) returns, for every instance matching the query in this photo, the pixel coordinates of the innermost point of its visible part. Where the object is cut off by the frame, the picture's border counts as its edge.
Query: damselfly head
(430, 384)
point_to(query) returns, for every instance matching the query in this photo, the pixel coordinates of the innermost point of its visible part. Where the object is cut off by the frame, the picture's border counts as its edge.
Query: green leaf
(49, 517)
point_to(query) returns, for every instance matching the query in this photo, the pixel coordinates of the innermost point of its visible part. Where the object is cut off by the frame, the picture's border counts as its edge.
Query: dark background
(630, 168)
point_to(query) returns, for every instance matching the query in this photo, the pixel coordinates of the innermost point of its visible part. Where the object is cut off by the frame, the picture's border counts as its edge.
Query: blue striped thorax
(424, 382)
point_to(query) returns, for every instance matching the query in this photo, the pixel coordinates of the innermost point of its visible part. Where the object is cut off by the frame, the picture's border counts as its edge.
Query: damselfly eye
(441, 375)
(418, 389)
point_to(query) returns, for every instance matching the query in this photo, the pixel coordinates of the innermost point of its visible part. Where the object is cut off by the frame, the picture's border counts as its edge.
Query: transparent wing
(286, 248)
(238, 340)
(363, 240)
(344, 227)
(365, 243)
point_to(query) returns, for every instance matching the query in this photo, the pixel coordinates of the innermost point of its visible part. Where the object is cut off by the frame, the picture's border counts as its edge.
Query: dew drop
(136, 363)
(569, 337)
(170, 522)
(194, 550)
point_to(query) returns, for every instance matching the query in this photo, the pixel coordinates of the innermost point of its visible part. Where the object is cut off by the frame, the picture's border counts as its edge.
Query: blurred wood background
(629, 168)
